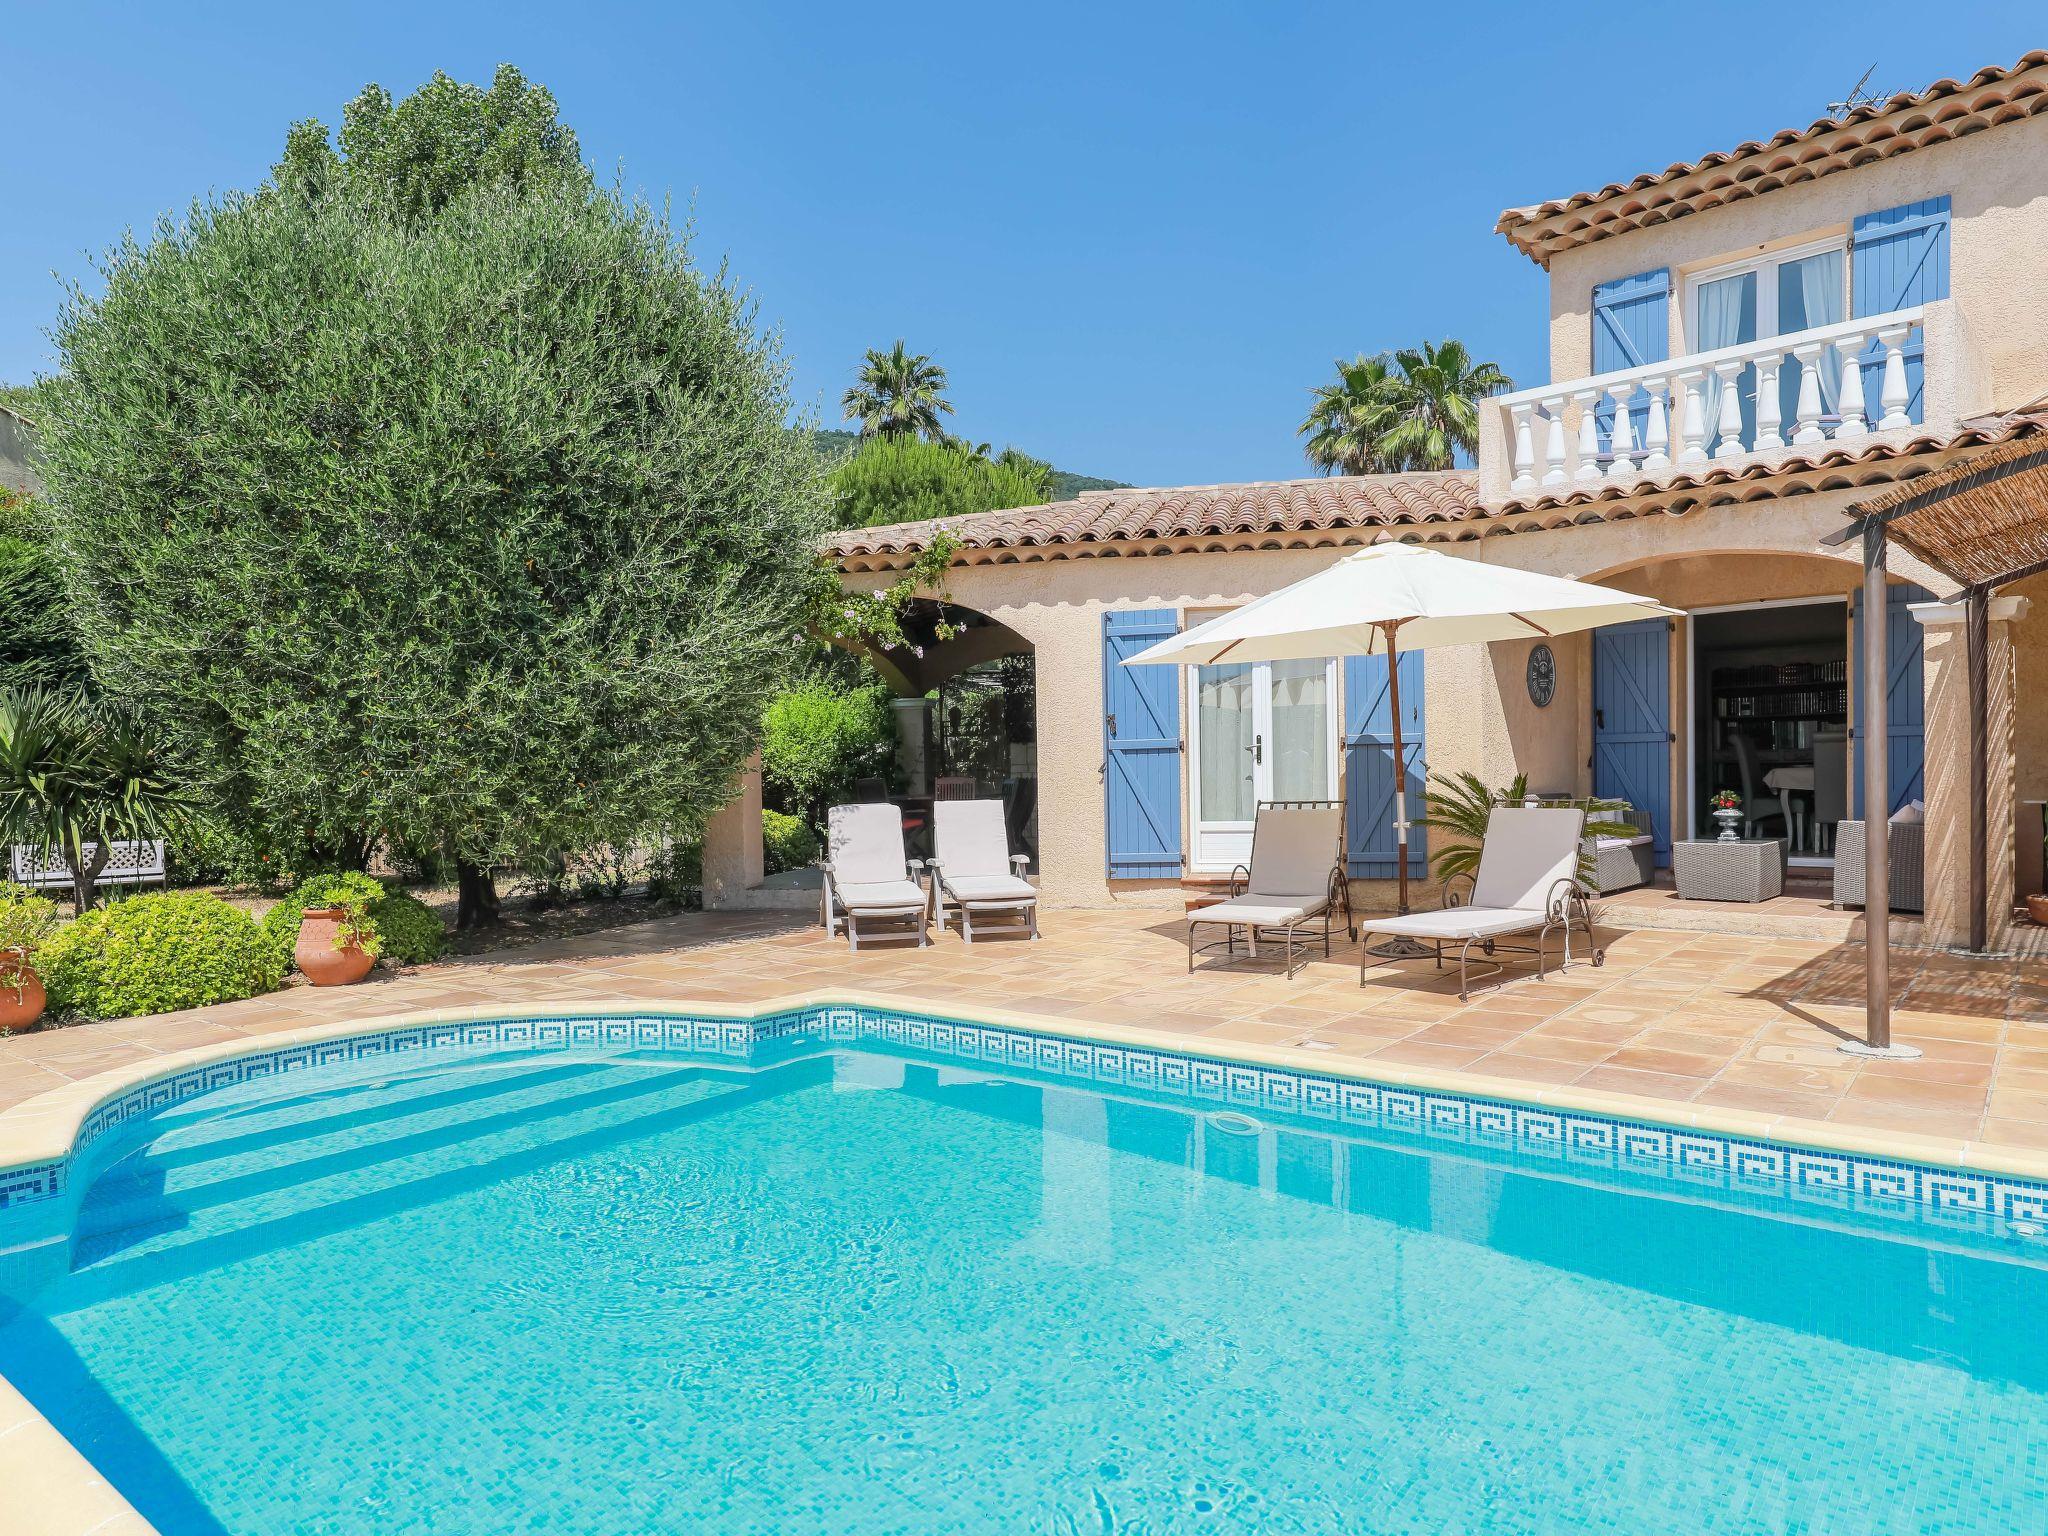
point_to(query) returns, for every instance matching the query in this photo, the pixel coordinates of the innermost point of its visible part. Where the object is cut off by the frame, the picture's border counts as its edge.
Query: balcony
(1892, 373)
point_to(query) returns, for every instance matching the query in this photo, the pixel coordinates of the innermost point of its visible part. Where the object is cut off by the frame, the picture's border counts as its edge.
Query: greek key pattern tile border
(1702, 1160)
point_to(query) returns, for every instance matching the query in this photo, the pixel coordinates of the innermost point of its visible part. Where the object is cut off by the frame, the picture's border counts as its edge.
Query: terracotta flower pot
(21, 999)
(2037, 909)
(319, 959)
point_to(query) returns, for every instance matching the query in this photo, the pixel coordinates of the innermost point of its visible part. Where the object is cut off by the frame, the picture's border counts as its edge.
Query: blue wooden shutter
(1898, 257)
(1632, 721)
(1631, 327)
(1371, 847)
(1905, 702)
(1140, 747)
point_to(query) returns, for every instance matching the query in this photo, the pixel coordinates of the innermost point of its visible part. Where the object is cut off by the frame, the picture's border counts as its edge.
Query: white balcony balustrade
(1716, 405)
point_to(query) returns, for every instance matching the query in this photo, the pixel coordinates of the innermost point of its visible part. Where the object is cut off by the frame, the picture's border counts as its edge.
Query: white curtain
(1726, 315)
(1300, 746)
(1223, 704)
(1810, 294)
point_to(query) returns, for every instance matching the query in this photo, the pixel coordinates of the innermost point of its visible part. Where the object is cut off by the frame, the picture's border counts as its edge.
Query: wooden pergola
(1983, 523)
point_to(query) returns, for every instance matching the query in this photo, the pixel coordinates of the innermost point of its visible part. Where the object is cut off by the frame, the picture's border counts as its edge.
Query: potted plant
(25, 921)
(337, 943)
(1726, 805)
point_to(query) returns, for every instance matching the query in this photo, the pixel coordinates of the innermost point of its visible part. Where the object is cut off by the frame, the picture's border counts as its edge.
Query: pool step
(366, 1162)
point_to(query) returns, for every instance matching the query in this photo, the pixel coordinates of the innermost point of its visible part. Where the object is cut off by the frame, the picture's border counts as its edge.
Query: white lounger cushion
(1263, 911)
(865, 845)
(970, 840)
(1641, 840)
(1293, 848)
(1457, 923)
(882, 896)
(983, 890)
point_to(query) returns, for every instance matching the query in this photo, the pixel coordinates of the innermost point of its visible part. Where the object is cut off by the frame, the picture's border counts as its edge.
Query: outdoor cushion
(980, 889)
(1266, 911)
(866, 844)
(1910, 815)
(1457, 922)
(881, 896)
(1640, 840)
(971, 840)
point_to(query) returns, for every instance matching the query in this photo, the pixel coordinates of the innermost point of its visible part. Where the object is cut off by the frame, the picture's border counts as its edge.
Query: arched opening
(966, 718)
(1751, 697)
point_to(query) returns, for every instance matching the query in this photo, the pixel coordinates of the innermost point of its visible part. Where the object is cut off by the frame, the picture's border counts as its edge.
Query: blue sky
(1135, 234)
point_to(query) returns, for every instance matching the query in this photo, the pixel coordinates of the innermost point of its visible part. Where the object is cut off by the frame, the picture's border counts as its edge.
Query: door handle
(1258, 749)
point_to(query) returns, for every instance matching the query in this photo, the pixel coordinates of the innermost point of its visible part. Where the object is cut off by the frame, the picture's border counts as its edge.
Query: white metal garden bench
(130, 863)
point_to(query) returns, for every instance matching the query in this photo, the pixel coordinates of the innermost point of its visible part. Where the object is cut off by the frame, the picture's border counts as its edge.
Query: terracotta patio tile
(1770, 1101)
(1649, 1085)
(1532, 1069)
(1415, 1054)
(1641, 1058)
(1917, 1093)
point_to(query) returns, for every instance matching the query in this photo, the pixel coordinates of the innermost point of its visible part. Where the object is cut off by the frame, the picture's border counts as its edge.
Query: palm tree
(897, 393)
(1415, 410)
(1442, 388)
(1348, 424)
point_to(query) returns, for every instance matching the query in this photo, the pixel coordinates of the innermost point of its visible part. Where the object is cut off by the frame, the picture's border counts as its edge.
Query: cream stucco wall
(1997, 183)
(1479, 714)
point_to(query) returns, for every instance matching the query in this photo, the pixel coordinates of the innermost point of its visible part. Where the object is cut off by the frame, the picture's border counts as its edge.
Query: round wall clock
(1542, 676)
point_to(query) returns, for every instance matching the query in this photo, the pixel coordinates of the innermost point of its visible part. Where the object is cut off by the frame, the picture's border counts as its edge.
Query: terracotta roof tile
(1192, 511)
(1909, 120)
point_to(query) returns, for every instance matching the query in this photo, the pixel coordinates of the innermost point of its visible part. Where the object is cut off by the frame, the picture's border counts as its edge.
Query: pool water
(858, 1292)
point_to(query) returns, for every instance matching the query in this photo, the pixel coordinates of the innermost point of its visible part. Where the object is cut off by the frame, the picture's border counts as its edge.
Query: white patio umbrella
(1392, 598)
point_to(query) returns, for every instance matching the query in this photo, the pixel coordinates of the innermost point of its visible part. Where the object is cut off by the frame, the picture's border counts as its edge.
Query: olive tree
(480, 531)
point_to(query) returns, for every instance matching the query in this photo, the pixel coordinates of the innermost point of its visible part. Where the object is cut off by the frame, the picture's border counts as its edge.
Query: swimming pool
(842, 1278)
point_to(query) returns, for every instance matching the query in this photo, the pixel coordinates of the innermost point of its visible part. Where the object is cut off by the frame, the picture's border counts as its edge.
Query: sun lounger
(1527, 882)
(978, 877)
(868, 880)
(1293, 878)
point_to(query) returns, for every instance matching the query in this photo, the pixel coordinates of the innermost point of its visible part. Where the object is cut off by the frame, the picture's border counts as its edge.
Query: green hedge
(157, 953)
(409, 931)
(786, 843)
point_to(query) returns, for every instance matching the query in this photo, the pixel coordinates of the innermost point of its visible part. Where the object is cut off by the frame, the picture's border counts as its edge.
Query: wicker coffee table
(1752, 869)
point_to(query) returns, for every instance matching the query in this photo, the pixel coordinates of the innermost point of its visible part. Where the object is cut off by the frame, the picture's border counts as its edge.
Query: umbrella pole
(1397, 948)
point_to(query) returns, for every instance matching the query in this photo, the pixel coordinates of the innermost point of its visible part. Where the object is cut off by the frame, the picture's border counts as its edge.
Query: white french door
(1258, 731)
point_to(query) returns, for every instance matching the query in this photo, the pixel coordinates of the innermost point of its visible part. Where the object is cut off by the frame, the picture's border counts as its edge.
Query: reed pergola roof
(1982, 521)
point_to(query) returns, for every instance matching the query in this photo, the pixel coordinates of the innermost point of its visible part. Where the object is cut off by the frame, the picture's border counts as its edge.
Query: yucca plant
(1461, 804)
(77, 775)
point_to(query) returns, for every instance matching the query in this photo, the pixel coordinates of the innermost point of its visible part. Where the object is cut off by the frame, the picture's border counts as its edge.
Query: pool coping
(57, 1492)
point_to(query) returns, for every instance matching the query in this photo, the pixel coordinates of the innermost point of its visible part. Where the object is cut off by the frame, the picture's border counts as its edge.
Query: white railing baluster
(1622, 438)
(1525, 450)
(1729, 426)
(1770, 410)
(1692, 420)
(1893, 395)
(1551, 436)
(1589, 435)
(1553, 445)
(1806, 426)
(1852, 423)
(1657, 430)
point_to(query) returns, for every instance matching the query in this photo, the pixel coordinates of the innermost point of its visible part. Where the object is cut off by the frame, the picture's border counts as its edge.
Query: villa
(726, 1220)
(1742, 349)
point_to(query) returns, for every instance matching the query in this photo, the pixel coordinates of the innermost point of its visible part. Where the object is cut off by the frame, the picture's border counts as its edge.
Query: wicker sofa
(1908, 865)
(1619, 863)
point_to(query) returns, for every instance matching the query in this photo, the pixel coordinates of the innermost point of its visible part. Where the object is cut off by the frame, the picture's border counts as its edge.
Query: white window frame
(1234, 838)
(1766, 293)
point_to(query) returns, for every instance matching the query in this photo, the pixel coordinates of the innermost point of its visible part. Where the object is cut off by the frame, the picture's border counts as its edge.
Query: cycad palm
(897, 394)
(1415, 410)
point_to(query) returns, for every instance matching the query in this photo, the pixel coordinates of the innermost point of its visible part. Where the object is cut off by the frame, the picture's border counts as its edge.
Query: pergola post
(1977, 645)
(1874, 728)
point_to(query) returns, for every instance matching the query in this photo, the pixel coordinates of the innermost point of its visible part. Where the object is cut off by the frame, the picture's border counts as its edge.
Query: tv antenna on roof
(1857, 97)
